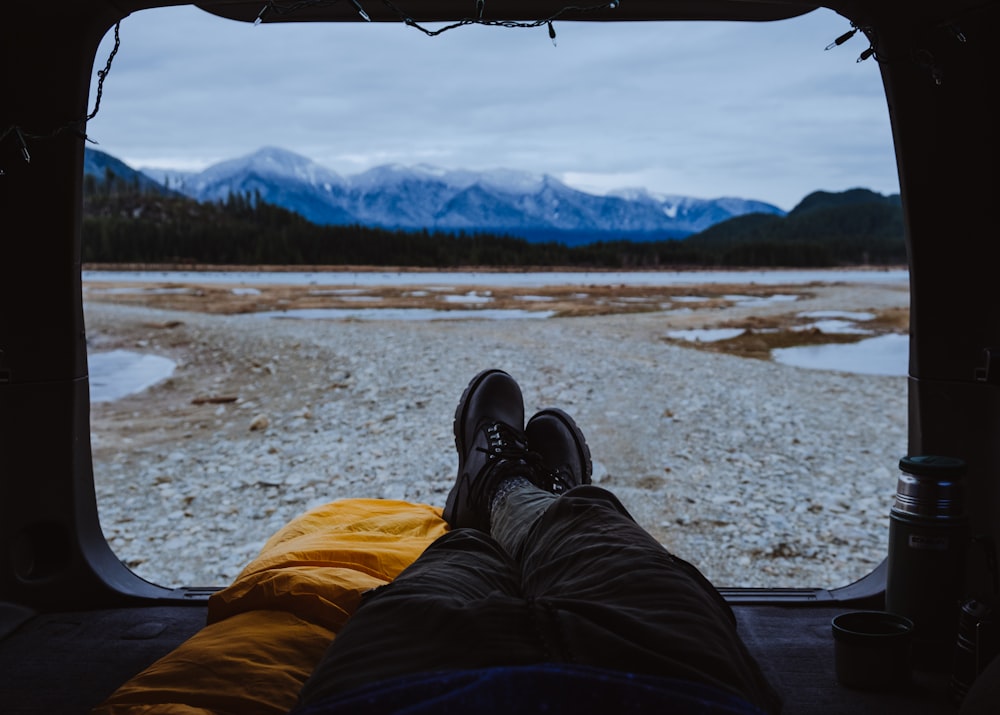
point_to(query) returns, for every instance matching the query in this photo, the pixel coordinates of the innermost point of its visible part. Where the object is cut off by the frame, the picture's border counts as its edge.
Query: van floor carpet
(67, 663)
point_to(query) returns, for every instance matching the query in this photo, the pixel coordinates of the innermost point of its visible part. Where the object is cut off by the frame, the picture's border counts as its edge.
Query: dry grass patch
(754, 344)
(564, 301)
(775, 325)
(762, 334)
(893, 320)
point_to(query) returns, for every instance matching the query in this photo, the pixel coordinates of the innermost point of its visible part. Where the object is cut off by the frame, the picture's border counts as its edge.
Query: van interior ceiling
(75, 623)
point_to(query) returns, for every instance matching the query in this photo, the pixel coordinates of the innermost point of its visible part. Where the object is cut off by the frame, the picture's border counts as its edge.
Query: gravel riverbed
(759, 473)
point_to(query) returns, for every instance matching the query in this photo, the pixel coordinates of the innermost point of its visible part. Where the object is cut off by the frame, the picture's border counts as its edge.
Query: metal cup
(872, 650)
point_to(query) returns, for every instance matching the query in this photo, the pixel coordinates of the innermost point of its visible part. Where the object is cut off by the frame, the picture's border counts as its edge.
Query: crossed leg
(569, 579)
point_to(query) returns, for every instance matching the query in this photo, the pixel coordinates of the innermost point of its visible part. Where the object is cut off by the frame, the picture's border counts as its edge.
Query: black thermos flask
(928, 541)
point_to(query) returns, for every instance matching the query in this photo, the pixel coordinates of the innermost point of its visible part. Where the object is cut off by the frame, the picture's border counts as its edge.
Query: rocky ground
(761, 474)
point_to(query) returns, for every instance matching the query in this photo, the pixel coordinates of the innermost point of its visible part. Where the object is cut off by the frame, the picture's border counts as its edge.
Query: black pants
(589, 587)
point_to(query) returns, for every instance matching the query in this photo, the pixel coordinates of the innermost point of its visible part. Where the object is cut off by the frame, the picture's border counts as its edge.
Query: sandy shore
(762, 474)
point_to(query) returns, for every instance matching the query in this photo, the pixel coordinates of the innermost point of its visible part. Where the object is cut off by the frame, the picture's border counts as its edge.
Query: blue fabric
(528, 690)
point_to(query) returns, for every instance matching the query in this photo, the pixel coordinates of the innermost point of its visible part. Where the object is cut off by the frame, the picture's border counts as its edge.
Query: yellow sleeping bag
(267, 631)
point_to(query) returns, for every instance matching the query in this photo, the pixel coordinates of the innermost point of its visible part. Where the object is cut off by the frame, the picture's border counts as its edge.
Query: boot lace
(556, 480)
(508, 456)
(503, 442)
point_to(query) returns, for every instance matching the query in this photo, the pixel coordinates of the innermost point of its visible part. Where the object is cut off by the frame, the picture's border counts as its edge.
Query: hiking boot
(564, 455)
(489, 437)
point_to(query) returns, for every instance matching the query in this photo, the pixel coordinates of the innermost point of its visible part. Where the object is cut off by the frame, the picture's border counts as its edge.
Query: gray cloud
(703, 109)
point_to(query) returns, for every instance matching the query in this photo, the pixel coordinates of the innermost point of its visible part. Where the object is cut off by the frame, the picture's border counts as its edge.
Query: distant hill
(128, 220)
(854, 226)
(824, 200)
(97, 164)
(536, 207)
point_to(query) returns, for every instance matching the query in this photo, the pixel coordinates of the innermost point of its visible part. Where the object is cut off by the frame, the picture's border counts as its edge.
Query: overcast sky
(754, 110)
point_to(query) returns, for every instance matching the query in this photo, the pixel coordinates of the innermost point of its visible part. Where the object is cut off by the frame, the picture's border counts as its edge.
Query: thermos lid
(930, 486)
(932, 466)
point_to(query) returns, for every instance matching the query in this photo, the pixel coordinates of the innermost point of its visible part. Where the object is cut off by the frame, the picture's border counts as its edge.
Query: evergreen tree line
(850, 228)
(125, 222)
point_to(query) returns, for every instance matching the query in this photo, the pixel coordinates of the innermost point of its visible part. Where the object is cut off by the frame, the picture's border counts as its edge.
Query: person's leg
(458, 605)
(455, 607)
(604, 592)
(614, 597)
(558, 460)
(516, 507)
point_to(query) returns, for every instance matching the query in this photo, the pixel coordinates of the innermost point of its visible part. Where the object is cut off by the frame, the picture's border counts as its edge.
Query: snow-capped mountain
(282, 178)
(422, 196)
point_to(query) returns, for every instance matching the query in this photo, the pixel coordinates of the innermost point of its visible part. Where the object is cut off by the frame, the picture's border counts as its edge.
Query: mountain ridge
(395, 196)
(131, 219)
